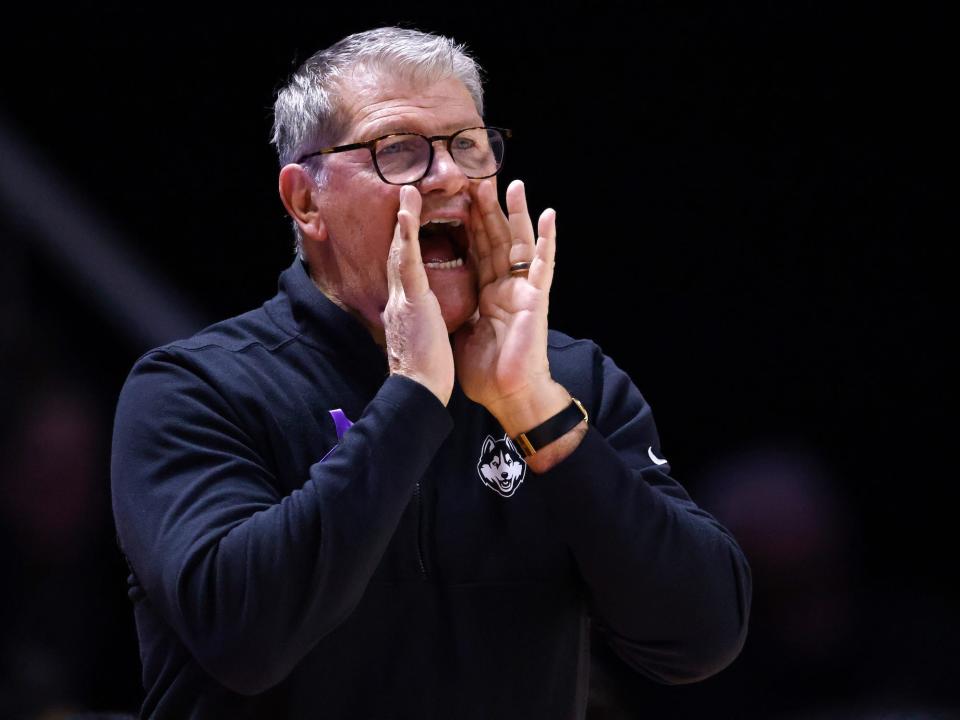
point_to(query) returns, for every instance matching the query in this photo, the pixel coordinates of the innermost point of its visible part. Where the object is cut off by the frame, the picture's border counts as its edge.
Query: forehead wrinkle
(415, 126)
(375, 115)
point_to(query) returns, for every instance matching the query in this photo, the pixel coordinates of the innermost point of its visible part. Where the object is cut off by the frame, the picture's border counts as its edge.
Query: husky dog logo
(501, 467)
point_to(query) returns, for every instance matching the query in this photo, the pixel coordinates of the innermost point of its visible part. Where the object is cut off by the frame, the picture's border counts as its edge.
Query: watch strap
(549, 430)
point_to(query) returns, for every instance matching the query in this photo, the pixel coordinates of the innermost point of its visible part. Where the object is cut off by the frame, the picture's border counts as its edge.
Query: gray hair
(308, 113)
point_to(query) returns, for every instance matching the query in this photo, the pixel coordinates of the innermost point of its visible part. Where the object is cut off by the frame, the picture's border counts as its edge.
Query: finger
(410, 271)
(521, 228)
(497, 227)
(394, 286)
(541, 269)
(480, 246)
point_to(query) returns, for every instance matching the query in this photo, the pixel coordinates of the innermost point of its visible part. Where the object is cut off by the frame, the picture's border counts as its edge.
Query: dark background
(749, 208)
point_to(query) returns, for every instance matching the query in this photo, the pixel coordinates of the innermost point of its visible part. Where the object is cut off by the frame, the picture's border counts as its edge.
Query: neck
(375, 330)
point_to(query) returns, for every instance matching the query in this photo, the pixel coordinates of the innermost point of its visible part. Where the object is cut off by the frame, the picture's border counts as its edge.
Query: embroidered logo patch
(500, 466)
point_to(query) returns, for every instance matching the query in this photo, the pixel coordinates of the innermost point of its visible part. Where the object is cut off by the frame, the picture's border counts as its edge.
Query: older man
(332, 510)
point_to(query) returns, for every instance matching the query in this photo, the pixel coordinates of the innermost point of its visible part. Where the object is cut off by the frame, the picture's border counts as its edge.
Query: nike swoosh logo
(656, 460)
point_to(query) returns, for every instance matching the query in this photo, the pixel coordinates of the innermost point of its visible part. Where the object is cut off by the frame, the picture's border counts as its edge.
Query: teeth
(447, 221)
(449, 265)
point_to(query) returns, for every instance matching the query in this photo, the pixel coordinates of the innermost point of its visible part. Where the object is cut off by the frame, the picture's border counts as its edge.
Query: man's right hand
(417, 342)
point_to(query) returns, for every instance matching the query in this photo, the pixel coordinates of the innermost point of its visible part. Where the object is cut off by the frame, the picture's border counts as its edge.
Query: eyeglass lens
(404, 158)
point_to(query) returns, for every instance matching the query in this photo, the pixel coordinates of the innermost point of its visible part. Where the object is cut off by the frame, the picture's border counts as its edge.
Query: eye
(397, 146)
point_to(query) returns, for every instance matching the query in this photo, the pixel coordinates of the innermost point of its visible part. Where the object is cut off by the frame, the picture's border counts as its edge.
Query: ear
(301, 198)
(488, 445)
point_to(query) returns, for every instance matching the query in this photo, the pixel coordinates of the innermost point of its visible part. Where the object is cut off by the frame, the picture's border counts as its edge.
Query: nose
(445, 175)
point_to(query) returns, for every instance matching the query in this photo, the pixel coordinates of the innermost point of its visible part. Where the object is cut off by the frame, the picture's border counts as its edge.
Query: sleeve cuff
(416, 406)
(590, 481)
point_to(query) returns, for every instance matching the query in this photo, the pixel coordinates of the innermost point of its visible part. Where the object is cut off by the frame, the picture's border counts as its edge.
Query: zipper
(423, 569)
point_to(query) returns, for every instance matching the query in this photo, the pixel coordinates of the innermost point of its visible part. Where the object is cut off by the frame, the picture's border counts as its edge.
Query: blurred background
(750, 205)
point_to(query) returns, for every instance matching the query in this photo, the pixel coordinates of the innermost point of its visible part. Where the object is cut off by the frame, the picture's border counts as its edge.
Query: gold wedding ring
(520, 268)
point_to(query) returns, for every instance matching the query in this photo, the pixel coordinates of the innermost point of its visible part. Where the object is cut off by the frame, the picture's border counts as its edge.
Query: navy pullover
(409, 566)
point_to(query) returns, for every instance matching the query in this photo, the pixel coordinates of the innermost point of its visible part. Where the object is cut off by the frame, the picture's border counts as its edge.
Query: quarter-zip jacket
(284, 565)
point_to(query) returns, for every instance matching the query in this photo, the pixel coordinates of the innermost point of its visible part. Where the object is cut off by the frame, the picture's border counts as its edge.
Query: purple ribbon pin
(342, 423)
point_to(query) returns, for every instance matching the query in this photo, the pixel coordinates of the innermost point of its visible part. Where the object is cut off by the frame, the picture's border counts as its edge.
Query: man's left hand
(501, 353)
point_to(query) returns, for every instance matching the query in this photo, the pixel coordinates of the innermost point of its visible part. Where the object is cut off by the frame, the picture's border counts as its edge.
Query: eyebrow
(386, 129)
(395, 128)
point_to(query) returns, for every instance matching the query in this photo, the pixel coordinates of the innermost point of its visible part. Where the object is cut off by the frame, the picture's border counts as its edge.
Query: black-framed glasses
(405, 158)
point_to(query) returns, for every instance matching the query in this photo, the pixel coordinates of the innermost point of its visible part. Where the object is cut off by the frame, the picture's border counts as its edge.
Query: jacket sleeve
(250, 581)
(668, 586)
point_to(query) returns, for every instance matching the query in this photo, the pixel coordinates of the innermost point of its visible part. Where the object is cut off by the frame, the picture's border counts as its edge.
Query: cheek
(379, 219)
(370, 239)
(367, 208)
(371, 233)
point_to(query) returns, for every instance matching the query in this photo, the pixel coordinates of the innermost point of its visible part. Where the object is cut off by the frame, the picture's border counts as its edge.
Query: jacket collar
(301, 308)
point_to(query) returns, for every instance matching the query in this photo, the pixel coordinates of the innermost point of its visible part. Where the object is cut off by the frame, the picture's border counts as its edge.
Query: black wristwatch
(546, 432)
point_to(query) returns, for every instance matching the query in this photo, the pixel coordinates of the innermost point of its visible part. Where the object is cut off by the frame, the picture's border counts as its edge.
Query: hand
(418, 345)
(501, 354)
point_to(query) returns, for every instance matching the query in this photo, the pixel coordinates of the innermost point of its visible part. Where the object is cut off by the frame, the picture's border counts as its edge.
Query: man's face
(359, 210)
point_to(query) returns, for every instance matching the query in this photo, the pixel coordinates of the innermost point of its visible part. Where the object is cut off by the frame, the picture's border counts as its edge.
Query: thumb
(409, 272)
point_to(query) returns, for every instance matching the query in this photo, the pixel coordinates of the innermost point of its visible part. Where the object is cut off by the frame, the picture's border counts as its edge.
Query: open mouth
(443, 244)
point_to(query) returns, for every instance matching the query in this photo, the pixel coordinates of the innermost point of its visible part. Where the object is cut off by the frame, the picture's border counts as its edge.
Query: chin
(456, 314)
(457, 294)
